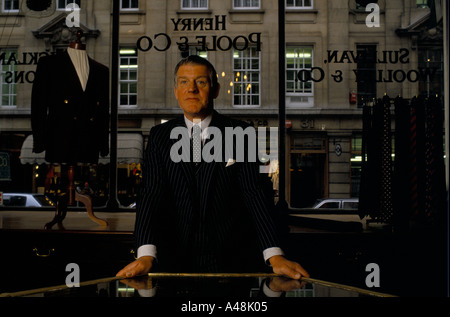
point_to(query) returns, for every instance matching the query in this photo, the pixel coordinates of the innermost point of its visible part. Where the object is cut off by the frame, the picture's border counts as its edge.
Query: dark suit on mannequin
(198, 217)
(69, 124)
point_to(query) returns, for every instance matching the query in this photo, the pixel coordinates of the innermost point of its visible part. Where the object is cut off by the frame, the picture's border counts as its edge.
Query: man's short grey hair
(197, 60)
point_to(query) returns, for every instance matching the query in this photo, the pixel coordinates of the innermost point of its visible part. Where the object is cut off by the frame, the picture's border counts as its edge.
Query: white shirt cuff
(146, 250)
(270, 252)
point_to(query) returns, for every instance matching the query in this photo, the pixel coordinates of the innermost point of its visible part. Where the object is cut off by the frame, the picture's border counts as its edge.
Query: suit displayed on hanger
(70, 120)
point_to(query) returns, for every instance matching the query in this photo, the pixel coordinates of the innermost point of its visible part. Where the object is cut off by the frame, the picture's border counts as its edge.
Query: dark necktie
(386, 165)
(435, 166)
(413, 160)
(196, 144)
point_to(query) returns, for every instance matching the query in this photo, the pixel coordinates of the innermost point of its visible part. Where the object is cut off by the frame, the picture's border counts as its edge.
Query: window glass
(338, 62)
(10, 5)
(62, 4)
(8, 93)
(299, 4)
(350, 205)
(361, 4)
(334, 204)
(128, 79)
(246, 84)
(246, 4)
(129, 4)
(299, 87)
(194, 4)
(366, 70)
(422, 3)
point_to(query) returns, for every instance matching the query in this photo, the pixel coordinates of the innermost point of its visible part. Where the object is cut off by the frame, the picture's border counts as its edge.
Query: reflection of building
(335, 62)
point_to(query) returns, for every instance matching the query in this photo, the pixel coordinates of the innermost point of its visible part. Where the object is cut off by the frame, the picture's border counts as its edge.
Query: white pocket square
(230, 162)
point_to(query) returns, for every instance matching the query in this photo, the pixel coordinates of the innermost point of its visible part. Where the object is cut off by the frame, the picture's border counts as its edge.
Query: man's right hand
(141, 266)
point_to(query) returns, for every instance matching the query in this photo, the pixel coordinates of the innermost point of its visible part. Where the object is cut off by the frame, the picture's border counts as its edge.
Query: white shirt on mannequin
(80, 61)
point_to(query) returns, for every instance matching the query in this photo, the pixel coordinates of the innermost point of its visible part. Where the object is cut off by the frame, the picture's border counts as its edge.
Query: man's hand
(143, 265)
(283, 266)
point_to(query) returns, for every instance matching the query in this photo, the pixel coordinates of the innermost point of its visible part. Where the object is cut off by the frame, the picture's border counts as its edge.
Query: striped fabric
(198, 218)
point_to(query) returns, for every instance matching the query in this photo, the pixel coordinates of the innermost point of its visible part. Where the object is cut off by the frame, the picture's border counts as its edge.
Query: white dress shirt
(80, 61)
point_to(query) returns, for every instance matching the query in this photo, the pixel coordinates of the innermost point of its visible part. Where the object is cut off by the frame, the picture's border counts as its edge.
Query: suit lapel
(185, 166)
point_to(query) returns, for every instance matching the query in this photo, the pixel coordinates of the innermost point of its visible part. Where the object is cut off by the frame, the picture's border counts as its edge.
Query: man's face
(194, 92)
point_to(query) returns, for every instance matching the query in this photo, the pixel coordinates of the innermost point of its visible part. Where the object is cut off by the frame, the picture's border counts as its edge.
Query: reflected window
(129, 4)
(10, 5)
(366, 74)
(246, 4)
(362, 4)
(350, 205)
(194, 4)
(62, 4)
(194, 50)
(8, 92)
(128, 77)
(334, 204)
(356, 164)
(246, 79)
(422, 3)
(299, 4)
(431, 63)
(299, 87)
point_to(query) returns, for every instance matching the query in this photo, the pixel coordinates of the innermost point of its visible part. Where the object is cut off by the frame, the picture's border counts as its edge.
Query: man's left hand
(283, 266)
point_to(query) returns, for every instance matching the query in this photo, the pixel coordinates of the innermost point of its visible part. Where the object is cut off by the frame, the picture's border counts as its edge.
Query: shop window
(128, 77)
(129, 4)
(8, 92)
(246, 4)
(62, 4)
(299, 4)
(194, 4)
(246, 77)
(299, 89)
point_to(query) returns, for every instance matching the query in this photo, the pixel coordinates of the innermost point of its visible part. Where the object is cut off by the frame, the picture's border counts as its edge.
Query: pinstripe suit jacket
(215, 210)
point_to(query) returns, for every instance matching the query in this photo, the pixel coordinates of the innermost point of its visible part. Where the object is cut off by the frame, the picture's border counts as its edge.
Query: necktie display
(411, 189)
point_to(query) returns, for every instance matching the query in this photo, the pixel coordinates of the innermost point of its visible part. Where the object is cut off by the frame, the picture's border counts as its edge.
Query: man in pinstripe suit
(207, 218)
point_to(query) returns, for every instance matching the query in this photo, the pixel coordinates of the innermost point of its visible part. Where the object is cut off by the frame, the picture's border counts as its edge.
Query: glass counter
(163, 285)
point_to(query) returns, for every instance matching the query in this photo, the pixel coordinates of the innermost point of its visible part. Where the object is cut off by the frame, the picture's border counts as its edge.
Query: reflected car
(331, 203)
(26, 200)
